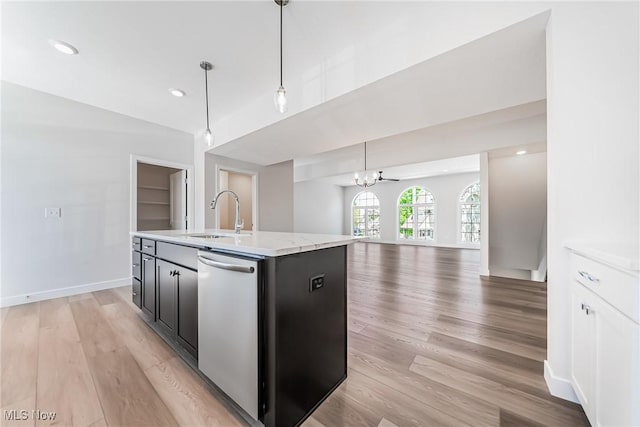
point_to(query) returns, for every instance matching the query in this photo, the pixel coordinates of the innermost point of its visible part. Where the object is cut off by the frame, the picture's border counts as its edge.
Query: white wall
(518, 211)
(593, 150)
(318, 208)
(446, 189)
(276, 197)
(275, 191)
(242, 185)
(223, 203)
(60, 153)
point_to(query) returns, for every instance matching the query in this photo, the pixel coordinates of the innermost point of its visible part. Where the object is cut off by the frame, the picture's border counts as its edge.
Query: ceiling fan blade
(381, 178)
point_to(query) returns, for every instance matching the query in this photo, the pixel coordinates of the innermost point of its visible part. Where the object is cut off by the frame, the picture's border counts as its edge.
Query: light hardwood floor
(430, 344)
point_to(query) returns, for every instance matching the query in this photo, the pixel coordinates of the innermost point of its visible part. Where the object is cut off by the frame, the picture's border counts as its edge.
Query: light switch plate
(52, 213)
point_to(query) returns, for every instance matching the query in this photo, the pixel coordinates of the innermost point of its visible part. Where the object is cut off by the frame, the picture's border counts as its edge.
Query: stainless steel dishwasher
(228, 326)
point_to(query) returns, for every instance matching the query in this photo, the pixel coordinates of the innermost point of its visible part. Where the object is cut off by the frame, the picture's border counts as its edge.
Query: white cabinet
(605, 359)
(583, 347)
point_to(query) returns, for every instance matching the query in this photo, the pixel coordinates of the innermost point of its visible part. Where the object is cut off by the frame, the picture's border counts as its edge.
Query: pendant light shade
(206, 66)
(280, 100)
(367, 180)
(280, 97)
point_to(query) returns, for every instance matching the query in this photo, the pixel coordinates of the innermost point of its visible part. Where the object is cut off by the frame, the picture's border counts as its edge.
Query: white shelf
(151, 187)
(153, 203)
(154, 219)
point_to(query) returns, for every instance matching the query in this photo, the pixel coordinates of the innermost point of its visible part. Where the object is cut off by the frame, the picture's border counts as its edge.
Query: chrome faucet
(239, 223)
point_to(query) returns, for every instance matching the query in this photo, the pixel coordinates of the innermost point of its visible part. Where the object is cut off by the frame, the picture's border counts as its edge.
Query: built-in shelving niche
(154, 203)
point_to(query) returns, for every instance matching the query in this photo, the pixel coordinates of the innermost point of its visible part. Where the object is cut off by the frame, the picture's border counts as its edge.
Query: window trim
(434, 205)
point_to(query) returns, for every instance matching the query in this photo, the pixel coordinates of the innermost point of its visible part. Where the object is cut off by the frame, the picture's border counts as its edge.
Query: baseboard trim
(62, 292)
(559, 387)
(422, 243)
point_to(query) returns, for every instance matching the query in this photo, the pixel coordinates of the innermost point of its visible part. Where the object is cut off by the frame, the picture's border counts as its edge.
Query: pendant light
(280, 98)
(206, 66)
(367, 181)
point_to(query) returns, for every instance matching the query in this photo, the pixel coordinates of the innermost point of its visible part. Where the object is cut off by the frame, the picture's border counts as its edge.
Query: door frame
(133, 199)
(254, 191)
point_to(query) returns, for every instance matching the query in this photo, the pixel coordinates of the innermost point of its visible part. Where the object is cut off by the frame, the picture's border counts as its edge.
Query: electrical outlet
(316, 282)
(52, 213)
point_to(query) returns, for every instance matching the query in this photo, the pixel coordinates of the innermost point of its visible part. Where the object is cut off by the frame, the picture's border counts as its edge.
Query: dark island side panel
(311, 330)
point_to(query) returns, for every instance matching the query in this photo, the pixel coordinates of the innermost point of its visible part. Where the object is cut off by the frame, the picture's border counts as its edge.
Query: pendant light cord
(281, 6)
(206, 94)
(365, 157)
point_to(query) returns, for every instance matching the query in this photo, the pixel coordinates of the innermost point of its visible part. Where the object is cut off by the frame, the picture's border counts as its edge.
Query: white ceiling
(450, 166)
(499, 71)
(131, 53)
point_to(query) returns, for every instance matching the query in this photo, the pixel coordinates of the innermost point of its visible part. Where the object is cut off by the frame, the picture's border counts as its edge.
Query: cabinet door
(618, 368)
(167, 278)
(583, 347)
(149, 285)
(187, 309)
(136, 292)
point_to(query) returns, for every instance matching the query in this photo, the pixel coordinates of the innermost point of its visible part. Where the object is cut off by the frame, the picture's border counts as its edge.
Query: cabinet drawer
(620, 289)
(148, 246)
(136, 268)
(181, 255)
(136, 245)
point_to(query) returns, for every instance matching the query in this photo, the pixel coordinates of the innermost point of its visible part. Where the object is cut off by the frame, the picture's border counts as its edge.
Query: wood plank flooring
(430, 344)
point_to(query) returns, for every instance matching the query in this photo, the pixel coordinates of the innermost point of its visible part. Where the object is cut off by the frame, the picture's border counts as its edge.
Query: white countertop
(620, 256)
(265, 243)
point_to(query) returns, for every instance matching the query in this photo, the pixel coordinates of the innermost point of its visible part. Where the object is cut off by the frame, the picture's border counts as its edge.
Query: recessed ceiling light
(177, 92)
(63, 47)
(521, 152)
(445, 170)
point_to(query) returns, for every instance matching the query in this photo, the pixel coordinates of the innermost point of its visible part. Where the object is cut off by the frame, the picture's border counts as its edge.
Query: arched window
(417, 217)
(470, 214)
(365, 214)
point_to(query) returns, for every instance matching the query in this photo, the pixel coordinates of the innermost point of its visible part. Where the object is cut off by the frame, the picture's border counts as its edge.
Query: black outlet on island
(316, 282)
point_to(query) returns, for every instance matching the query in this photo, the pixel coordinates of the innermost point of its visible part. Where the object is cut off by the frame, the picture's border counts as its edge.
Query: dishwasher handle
(224, 266)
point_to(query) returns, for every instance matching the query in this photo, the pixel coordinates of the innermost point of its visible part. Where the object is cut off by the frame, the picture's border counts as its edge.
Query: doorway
(244, 185)
(161, 197)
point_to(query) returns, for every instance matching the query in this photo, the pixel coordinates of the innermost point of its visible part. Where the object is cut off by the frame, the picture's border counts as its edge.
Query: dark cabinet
(149, 286)
(136, 279)
(166, 297)
(187, 309)
(177, 304)
(136, 292)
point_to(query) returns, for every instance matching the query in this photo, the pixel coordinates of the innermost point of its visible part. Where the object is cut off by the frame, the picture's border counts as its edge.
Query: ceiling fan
(381, 178)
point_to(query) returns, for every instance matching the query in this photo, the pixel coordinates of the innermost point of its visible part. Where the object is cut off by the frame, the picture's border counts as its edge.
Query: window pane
(470, 214)
(358, 222)
(406, 198)
(366, 198)
(406, 222)
(373, 222)
(471, 193)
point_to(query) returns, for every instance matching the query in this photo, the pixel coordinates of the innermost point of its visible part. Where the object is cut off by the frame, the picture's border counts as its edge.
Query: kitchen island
(262, 315)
